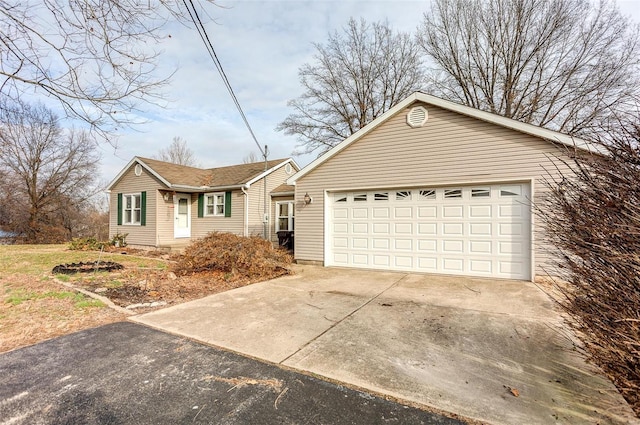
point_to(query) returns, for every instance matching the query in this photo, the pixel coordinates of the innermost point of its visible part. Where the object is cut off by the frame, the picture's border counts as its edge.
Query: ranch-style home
(165, 206)
(430, 186)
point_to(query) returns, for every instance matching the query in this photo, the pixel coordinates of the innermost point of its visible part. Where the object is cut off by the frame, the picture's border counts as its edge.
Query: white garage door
(482, 230)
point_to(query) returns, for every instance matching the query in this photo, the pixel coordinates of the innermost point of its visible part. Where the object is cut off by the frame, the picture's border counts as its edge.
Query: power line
(195, 18)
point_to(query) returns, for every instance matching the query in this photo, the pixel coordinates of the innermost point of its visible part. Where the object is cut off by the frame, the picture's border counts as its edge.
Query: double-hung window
(285, 212)
(132, 209)
(214, 204)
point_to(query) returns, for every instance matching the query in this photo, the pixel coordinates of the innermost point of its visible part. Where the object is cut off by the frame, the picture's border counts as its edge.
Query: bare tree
(570, 65)
(250, 158)
(52, 172)
(178, 153)
(95, 57)
(358, 75)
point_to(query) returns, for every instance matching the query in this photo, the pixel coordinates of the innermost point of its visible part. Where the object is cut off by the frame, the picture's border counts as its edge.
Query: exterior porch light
(307, 199)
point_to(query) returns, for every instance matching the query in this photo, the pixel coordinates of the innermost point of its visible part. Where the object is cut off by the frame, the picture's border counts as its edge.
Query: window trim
(206, 204)
(133, 209)
(290, 216)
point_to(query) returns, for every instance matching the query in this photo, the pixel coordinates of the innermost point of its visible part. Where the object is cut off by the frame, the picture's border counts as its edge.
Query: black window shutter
(227, 204)
(200, 205)
(143, 208)
(119, 209)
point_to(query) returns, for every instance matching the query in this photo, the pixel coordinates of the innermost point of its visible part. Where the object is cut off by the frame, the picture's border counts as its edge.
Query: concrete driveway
(491, 350)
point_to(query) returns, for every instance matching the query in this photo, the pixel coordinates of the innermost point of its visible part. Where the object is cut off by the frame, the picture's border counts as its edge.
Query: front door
(182, 222)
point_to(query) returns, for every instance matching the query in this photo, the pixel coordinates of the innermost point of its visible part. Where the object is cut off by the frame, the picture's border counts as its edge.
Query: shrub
(237, 255)
(592, 219)
(86, 244)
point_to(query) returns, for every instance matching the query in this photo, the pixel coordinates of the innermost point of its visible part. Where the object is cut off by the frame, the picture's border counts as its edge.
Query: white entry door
(480, 230)
(182, 222)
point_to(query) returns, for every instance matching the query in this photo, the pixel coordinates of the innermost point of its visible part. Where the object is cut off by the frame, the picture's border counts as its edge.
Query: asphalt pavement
(125, 373)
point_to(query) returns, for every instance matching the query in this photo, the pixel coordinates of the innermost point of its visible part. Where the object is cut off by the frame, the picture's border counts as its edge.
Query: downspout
(245, 230)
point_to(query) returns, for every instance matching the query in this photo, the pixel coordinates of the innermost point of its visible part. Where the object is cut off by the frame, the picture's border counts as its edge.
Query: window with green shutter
(227, 204)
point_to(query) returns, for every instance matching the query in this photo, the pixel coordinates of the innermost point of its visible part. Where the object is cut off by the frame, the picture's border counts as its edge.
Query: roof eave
(270, 170)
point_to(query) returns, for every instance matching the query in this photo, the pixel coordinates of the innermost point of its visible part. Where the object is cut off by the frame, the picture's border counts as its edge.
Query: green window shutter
(200, 205)
(227, 204)
(119, 209)
(143, 208)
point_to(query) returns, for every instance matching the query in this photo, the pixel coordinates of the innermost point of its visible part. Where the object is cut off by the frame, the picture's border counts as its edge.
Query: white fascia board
(203, 189)
(146, 167)
(269, 171)
(533, 130)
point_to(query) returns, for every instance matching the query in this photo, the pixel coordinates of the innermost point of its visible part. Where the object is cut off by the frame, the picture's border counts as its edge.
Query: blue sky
(261, 45)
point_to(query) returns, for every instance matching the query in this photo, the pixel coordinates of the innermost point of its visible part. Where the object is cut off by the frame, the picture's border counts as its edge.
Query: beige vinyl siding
(131, 184)
(449, 149)
(200, 227)
(256, 202)
(166, 220)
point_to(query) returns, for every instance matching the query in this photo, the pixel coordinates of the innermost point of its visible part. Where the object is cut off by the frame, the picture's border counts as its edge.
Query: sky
(261, 45)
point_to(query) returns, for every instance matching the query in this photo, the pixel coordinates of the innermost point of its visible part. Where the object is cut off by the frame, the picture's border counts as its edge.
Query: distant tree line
(48, 177)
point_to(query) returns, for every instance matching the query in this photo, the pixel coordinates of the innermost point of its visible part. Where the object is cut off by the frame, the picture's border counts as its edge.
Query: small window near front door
(285, 212)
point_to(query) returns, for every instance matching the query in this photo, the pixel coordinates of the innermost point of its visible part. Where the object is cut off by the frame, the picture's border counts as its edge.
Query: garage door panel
(507, 248)
(403, 212)
(481, 230)
(430, 245)
(403, 261)
(360, 259)
(456, 211)
(480, 266)
(381, 260)
(404, 244)
(427, 212)
(381, 243)
(403, 228)
(510, 229)
(360, 213)
(511, 210)
(380, 212)
(340, 228)
(340, 242)
(480, 247)
(379, 228)
(453, 265)
(452, 229)
(480, 211)
(427, 229)
(340, 213)
(429, 264)
(456, 246)
(360, 243)
(361, 228)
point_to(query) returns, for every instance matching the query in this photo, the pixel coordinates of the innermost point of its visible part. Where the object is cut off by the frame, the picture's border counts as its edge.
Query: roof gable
(185, 177)
(543, 133)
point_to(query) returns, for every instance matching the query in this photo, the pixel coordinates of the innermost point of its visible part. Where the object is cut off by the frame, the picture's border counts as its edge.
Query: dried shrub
(237, 255)
(592, 220)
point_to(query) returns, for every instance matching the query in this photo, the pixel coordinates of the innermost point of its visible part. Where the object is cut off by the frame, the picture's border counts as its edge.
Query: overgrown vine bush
(592, 220)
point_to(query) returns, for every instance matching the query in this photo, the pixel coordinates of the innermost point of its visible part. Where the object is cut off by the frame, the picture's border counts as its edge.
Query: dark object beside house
(285, 239)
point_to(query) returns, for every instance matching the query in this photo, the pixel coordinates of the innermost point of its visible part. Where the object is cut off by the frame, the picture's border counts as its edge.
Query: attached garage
(479, 230)
(431, 186)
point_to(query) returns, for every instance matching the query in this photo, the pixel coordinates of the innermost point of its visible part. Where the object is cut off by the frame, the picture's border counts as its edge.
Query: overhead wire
(195, 18)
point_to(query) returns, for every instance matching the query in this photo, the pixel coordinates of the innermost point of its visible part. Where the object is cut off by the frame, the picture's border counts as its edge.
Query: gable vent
(417, 116)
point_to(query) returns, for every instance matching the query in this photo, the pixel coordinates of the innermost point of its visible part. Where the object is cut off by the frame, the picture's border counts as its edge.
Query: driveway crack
(337, 322)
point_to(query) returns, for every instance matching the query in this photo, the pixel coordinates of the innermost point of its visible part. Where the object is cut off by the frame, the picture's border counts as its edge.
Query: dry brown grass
(33, 310)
